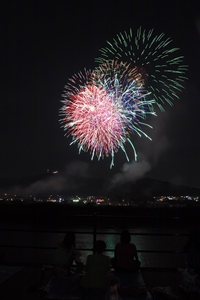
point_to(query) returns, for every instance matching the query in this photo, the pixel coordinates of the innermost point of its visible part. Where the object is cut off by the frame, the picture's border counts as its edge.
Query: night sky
(43, 43)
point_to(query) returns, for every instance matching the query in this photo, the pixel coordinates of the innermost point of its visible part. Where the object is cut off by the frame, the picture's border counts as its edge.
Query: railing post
(94, 230)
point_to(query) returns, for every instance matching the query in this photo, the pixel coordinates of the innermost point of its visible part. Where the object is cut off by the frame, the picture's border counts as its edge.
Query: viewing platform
(22, 279)
(27, 282)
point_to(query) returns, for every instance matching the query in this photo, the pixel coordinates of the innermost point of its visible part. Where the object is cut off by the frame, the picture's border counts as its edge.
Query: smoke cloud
(131, 172)
(149, 154)
(56, 183)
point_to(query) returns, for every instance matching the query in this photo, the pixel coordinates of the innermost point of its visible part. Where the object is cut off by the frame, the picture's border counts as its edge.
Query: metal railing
(94, 234)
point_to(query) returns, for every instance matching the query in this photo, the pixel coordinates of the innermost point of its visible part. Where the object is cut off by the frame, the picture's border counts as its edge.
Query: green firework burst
(159, 63)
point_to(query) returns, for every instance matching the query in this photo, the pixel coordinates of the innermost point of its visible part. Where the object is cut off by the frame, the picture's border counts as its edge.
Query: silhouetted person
(66, 255)
(126, 265)
(96, 281)
(193, 248)
(64, 281)
(125, 255)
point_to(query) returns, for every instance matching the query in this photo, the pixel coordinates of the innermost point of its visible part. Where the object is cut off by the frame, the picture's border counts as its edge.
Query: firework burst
(101, 115)
(94, 122)
(126, 87)
(130, 100)
(159, 64)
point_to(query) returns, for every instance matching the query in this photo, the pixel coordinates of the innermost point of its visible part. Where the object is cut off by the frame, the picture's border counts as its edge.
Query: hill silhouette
(78, 185)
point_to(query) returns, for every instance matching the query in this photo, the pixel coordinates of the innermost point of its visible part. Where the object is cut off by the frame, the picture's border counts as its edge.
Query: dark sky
(43, 43)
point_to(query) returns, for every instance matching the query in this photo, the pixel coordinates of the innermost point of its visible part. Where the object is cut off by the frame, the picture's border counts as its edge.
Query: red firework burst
(94, 121)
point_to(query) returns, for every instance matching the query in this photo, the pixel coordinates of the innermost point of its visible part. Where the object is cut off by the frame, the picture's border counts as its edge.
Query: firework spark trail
(77, 82)
(162, 67)
(127, 89)
(120, 77)
(131, 98)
